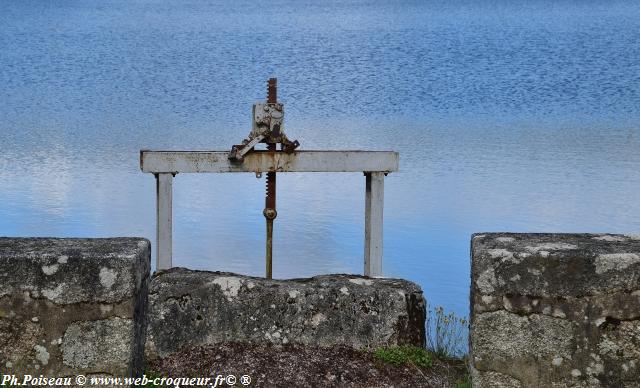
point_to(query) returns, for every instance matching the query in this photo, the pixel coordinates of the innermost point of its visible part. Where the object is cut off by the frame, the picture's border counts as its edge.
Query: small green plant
(464, 382)
(446, 334)
(399, 355)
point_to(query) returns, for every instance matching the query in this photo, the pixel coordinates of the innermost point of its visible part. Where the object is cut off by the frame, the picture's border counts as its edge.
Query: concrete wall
(73, 306)
(194, 308)
(555, 310)
(84, 306)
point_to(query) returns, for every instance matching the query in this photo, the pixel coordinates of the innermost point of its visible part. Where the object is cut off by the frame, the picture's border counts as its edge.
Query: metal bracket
(267, 126)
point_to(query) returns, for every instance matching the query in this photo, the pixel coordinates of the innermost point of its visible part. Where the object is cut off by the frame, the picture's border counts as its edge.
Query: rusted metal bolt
(270, 213)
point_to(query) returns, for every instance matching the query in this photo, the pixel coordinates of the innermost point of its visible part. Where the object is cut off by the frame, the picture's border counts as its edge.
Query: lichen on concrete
(505, 335)
(615, 261)
(98, 345)
(42, 355)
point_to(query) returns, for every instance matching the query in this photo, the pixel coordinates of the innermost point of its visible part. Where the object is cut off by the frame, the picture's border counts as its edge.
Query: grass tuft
(464, 383)
(400, 355)
(446, 334)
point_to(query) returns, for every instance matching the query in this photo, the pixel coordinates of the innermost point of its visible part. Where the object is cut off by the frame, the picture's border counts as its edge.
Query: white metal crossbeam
(263, 161)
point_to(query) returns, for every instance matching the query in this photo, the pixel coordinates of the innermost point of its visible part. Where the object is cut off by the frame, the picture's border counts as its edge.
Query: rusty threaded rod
(272, 90)
(270, 214)
(269, 256)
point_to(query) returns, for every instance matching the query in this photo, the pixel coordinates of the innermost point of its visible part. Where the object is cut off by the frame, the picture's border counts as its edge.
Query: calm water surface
(508, 115)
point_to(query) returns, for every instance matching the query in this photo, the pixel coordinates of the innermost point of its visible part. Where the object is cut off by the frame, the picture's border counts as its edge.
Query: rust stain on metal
(267, 126)
(272, 90)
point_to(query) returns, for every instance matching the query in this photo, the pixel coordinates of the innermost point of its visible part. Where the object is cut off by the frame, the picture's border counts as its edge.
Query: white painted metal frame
(164, 233)
(373, 207)
(375, 165)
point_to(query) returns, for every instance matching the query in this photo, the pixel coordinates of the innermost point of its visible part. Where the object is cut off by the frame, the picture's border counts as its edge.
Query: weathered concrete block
(73, 306)
(191, 308)
(555, 310)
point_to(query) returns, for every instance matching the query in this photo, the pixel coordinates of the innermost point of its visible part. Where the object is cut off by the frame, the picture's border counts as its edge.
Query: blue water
(508, 116)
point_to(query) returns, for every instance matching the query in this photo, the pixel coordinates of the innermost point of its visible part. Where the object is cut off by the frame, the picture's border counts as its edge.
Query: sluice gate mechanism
(281, 155)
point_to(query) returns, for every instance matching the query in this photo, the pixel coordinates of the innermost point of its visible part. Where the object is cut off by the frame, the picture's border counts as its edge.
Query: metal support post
(164, 183)
(373, 219)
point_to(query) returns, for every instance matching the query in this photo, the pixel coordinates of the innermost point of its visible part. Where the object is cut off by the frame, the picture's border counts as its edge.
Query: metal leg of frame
(373, 219)
(164, 183)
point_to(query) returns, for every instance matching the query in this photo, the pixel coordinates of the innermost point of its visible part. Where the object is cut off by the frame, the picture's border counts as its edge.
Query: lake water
(508, 116)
